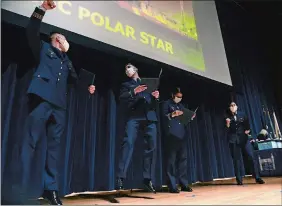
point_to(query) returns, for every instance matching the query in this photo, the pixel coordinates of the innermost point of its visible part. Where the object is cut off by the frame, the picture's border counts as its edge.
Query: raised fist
(156, 94)
(48, 4)
(228, 122)
(91, 89)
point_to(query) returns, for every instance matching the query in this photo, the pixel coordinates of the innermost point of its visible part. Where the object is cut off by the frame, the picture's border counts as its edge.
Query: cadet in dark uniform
(47, 98)
(141, 113)
(175, 143)
(238, 128)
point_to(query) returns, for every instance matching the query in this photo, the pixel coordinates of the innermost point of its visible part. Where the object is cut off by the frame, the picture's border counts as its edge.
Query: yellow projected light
(116, 26)
(183, 23)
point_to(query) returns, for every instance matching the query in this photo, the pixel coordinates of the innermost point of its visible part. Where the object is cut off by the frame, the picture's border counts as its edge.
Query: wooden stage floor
(221, 192)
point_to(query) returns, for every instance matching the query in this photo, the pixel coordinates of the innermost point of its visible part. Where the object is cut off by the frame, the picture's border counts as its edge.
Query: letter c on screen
(61, 5)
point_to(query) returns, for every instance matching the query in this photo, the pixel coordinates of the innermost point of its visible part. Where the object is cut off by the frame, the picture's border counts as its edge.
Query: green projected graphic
(178, 17)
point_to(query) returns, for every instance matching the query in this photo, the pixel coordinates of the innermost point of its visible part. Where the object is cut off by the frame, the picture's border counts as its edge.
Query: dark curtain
(251, 69)
(92, 138)
(90, 146)
(252, 62)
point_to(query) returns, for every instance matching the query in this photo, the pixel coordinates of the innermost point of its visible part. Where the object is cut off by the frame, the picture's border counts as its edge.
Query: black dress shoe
(52, 197)
(119, 184)
(149, 186)
(259, 181)
(239, 183)
(174, 190)
(186, 189)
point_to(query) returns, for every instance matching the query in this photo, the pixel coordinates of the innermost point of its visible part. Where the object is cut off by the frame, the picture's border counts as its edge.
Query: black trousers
(43, 129)
(247, 150)
(131, 132)
(176, 161)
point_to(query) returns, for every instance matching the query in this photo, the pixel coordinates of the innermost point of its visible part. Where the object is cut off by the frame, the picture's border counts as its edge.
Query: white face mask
(177, 99)
(130, 71)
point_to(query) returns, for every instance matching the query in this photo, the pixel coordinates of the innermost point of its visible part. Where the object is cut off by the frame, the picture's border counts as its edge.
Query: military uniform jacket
(54, 69)
(141, 106)
(172, 126)
(238, 125)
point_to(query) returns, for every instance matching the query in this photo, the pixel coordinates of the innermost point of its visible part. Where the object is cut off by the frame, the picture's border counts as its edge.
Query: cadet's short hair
(129, 65)
(232, 103)
(176, 90)
(55, 32)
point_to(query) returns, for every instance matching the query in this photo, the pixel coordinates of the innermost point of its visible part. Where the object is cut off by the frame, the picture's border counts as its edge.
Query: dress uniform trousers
(176, 161)
(131, 133)
(44, 127)
(239, 144)
(247, 150)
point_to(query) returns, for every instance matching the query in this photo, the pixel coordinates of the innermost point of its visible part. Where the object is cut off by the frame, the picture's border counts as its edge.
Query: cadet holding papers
(152, 84)
(186, 117)
(176, 117)
(140, 110)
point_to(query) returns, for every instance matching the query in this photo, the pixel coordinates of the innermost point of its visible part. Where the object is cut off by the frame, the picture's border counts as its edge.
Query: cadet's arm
(165, 111)
(33, 32)
(128, 95)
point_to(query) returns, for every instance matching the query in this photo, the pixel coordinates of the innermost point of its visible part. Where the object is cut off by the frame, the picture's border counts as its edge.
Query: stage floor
(214, 193)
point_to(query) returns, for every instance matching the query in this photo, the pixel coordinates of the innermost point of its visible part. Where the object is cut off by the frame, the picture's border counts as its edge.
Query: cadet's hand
(156, 94)
(194, 115)
(176, 113)
(48, 4)
(91, 89)
(228, 122)
(140, 88)
(247, 132)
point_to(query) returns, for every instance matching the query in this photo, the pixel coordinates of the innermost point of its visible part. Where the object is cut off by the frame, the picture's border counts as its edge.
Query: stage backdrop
(90, 145)
(91, 142)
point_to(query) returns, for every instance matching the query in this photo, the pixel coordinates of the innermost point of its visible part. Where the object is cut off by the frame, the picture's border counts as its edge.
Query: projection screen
(183, 34)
